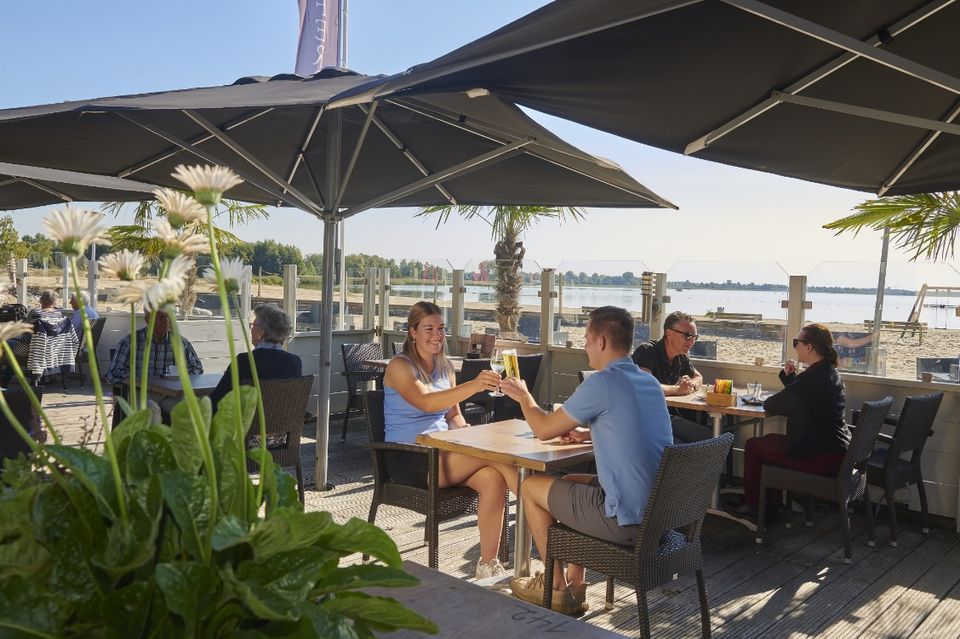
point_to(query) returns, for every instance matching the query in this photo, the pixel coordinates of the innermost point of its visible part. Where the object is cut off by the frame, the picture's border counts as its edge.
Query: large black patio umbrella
(27, 186)
(293, 148)
(857, 94)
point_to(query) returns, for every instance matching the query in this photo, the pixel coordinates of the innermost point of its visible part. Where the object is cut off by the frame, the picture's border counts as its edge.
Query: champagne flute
(496, 363)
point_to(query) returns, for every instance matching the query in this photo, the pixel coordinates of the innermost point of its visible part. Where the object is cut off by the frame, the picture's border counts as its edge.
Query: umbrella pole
(330, 219)
(874, 359)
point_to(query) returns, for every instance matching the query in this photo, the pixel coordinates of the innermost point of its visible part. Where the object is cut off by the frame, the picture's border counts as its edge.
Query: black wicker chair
(584, 374)
(397, 348)
(284, 405)
(478, 408)
(889, 470)
(847, 486)
(426, 498)
(83, 354)
(356, 372)
(668, 542)
(11, 444)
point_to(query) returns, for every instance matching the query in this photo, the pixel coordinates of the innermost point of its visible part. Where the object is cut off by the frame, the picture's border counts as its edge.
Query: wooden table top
(461, 609)
(171, 386)
(511, 442)
(456, 361)
(692, 402)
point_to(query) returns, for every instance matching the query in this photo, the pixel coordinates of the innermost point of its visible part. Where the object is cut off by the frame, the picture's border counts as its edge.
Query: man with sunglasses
(668, 360)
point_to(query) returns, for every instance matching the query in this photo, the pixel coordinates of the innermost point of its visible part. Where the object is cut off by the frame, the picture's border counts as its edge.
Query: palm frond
(239, 213)
(135, 238)
(925, 224)
(505, 221)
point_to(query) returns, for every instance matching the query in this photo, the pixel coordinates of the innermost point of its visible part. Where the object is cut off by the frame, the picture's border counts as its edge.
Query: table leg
(716, 420)
(522, 538)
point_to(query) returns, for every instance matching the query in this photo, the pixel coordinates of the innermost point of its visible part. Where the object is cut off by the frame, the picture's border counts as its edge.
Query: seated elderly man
(77, 319)
(269, 332)
(161, 352)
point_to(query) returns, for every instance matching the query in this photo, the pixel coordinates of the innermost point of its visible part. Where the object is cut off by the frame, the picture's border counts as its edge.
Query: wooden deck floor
(794, 585)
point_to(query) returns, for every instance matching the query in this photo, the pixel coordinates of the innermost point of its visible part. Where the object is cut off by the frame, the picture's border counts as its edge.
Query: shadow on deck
(794, 585)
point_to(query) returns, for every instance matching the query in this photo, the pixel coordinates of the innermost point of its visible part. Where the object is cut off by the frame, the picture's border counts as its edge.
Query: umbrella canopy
(284, 137)
(858, 94)
(274, 132)
(26, 186)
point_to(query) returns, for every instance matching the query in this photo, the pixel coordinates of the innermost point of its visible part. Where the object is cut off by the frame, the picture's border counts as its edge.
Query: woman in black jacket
(813, 403)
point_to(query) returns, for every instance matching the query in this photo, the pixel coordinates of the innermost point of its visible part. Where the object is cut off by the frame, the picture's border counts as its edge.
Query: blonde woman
(421, 396)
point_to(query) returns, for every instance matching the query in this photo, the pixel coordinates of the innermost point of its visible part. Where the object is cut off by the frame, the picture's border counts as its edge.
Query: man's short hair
(81, 296)
(616, 324)
(274, 323)
(675, 318)
(48, 298)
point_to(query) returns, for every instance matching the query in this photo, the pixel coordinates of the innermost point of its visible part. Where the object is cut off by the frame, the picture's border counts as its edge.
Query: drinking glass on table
(496, 363)
(753, 390)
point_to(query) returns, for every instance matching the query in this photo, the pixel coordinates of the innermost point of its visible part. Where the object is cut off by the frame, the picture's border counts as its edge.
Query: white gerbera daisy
(185, 242)
(122, 265)
(181, 208)
(13, 330)
(235, 274)
(164, 293)
(76, 229)
(131, 292)
(179, 268)
(208, 183)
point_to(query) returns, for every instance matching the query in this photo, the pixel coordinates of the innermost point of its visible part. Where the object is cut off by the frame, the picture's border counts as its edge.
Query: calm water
(827, 307)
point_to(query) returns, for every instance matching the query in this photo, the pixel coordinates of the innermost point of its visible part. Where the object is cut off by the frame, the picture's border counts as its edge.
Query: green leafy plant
(165, 534)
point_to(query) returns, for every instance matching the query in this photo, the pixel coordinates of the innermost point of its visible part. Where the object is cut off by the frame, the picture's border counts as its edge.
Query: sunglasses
(799, 341)
(690, 337)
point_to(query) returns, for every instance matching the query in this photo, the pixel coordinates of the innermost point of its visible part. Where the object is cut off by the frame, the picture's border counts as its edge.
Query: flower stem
(145, 367)
(98, 390)
(261, 417)
(199, 428)
(241, 428)
(132, 376)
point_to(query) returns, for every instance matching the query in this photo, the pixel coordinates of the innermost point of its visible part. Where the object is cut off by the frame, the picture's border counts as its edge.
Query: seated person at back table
(77, 319)
(48, 310)
(814, 403)
(624, 408)
(668, 360)
(161, 353)
(269, 332)
(420, 395)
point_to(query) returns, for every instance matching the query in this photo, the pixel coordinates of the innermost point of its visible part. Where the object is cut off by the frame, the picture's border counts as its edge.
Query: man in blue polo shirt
(626, 414)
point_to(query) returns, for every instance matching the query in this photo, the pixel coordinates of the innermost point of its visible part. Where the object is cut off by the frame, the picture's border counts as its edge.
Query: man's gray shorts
(581, 507)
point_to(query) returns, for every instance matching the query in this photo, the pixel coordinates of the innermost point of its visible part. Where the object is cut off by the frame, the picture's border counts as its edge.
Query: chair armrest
(886, 439)
(409, 448)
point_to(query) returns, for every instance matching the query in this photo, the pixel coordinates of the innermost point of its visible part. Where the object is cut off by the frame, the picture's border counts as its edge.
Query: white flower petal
(181, 208)
(131, 292)
(235, 274)
(76, 229)
(208, 183)
(122, 265)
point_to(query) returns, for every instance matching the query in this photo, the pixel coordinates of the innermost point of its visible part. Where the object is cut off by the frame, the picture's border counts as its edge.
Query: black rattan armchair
(668, 542)
(83, 354)
(478, 408)
(11, 444)
(847, 486)
(889, 470)
(284, 405)
(356, 372)
(424, 497)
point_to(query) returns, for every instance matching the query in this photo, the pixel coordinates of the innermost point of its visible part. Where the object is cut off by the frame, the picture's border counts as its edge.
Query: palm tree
(507, 225)
(925, 224)
(136, 236)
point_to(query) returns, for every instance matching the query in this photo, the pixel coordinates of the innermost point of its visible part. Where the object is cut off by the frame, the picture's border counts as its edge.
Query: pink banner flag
(319, 44)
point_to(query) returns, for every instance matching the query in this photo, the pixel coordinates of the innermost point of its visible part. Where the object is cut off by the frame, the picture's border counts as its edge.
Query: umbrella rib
(654, 199)
(249, 157)
(356, 154)
(303, 149)
(169, 153)
(867, 112)
(812, 78)
(858, 47)
(407, 153)
(917, 152)
(473, 164)
(209, 157)
(51, 191)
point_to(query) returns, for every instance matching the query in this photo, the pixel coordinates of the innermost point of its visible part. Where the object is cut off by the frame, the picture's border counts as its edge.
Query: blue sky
(56, 50)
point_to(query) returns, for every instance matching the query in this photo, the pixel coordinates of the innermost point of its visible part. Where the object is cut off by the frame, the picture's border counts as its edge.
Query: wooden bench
(740, 317)
(903, 327)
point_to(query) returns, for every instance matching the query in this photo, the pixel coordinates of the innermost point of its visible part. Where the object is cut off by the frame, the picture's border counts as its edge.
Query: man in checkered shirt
(161, 353)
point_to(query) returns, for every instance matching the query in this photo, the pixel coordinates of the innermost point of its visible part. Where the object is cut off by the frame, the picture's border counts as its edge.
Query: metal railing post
(547, 295)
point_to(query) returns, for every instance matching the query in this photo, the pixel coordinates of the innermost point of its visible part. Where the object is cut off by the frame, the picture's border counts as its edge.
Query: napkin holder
(721, 399)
